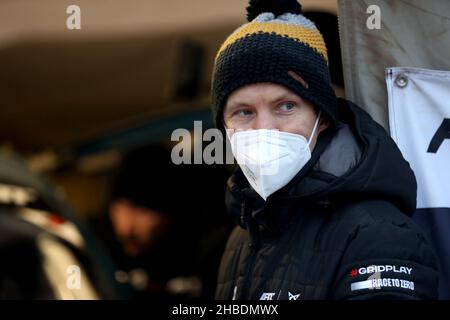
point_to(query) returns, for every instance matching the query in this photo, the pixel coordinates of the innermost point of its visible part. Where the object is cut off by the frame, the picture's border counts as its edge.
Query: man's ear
(324, 122)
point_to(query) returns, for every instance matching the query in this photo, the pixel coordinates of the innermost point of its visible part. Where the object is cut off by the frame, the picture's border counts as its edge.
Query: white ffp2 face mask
(270, 159)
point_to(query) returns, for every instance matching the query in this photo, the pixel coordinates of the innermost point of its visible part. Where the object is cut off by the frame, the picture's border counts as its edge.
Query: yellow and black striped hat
(277, 41)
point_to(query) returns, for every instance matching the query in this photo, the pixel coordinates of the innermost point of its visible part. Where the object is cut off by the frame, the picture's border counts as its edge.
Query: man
(139, 210)
(159, 228)
(142, 227)
(322, 195)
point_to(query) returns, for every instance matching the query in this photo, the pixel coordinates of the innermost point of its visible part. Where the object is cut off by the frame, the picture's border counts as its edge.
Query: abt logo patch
(380, 268)
(267, 296)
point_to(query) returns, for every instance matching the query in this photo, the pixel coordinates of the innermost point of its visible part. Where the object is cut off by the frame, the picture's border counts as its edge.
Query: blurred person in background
(157, 229)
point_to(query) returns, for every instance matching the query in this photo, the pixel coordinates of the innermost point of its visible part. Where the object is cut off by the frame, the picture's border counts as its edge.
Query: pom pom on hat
(277, 7)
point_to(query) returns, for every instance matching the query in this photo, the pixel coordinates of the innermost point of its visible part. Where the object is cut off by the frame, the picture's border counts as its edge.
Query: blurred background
(86, 117)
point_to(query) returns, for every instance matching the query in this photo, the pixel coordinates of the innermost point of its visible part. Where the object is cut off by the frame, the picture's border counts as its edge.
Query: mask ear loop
(315, 127)
(227, 133)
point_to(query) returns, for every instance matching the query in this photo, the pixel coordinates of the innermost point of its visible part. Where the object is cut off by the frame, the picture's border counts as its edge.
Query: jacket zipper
(254, 246)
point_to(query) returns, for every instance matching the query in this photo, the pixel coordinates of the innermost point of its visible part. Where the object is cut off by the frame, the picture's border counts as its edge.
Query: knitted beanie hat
(277, 41)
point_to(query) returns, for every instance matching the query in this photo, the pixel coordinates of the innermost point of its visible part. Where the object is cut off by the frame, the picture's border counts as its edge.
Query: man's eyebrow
(237, 104)
(283, 96)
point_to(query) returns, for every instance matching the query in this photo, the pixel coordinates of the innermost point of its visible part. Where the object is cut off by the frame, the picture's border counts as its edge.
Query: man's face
(271, 106)
(136, 228)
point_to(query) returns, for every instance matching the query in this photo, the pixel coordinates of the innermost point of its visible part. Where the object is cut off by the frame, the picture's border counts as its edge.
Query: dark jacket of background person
(346, 210)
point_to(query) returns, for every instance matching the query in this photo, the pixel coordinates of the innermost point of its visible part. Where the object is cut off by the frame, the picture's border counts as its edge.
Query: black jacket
(339, 230)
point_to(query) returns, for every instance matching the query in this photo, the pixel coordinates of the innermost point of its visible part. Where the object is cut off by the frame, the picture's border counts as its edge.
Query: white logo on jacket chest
(293, 296)
(267, 296)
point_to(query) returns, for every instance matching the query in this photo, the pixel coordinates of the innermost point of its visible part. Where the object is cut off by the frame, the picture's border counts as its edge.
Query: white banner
(419, 119)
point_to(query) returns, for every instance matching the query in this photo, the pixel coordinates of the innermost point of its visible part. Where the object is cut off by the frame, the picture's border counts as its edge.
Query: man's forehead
(260, 90)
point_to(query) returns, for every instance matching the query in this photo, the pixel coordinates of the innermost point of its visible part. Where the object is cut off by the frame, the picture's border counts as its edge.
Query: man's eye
(287, 106)
(243, 112)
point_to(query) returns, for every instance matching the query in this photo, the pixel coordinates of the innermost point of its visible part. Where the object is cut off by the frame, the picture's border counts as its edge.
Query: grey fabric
(341, 155)
(414, 33)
